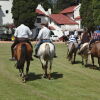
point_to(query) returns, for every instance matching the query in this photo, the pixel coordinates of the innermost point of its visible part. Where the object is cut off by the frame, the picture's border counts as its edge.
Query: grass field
(69, 82)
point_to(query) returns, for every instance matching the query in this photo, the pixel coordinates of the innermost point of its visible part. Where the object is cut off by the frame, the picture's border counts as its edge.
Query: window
(7, 11)
(38, 20)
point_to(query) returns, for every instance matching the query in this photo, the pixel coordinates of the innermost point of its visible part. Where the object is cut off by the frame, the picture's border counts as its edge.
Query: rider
(43, 36)
(95, 36)
(72, 37)
(22, 34)
(85, 37)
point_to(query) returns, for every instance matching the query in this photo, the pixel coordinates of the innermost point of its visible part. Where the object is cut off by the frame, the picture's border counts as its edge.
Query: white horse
(84, 53)
(46, 55)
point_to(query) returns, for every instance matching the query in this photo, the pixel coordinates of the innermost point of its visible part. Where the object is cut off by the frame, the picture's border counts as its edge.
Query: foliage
(89, 11)
(24, 11)
(62, 4)
(96, 13)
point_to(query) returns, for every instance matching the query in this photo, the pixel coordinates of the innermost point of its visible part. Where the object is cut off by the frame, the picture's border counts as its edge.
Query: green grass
(69, 82)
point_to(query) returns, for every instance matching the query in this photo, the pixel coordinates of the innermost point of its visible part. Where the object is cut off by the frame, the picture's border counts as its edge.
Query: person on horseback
(43, 36)
(95, 36)
(22, 34)
(85, 37)
(72, 38)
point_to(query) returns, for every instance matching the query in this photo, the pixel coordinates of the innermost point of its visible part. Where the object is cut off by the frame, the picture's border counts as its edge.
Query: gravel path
(31, 42)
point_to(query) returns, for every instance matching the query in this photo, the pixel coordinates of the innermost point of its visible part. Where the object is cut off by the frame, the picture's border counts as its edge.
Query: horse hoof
(24, 80)
(44, 76)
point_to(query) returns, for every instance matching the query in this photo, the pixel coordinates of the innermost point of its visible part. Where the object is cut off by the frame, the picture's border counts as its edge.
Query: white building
(68, 19)
(5, 12)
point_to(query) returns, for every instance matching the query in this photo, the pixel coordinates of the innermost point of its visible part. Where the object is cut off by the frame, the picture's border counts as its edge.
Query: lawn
(69, 82)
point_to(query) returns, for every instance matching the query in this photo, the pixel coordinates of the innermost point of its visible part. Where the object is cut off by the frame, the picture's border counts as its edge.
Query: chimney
(49, 11)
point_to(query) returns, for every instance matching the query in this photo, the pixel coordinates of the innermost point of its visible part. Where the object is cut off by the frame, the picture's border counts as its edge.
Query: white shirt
(44, 33)
(72, 38)
(76, 33)
(66, 33)
(22, 31)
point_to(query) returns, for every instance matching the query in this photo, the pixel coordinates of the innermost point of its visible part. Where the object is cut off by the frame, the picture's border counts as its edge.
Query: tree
(90, 13)
(62, 4)
(96, 12)
(24, 11)
(86, 13)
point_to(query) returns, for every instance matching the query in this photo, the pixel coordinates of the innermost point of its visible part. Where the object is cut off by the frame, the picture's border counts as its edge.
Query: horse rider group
(85, 37)
(23, 33)
(43, 36)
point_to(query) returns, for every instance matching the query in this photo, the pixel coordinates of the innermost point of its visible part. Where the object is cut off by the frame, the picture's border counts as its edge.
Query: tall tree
(62, 4)
(24, 11)
(90, 13)
(86, 13)
(96, 12)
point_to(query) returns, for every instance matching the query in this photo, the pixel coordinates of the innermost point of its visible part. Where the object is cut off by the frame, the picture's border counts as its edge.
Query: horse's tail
(47, 51)
(23, 56)
(24, 51)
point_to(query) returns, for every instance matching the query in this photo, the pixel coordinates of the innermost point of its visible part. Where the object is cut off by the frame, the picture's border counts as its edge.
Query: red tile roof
(62, 19)
(68, 10)
(39, 12)
(77, 18)
(51, 27)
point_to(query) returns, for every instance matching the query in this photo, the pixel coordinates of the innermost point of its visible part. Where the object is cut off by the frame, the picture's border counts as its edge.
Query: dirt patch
(33, 42)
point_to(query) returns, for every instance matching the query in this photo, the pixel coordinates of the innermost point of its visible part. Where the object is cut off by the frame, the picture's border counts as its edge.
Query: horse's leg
(27, 68)
(92, 60)
(74, 57)
(46, 66)
(86, 60)
(82, 61)
(50, 66)
(43, 67)
(99, 61)
(20, 72)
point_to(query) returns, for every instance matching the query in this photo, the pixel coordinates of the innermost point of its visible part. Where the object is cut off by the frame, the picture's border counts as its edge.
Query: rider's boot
(35, 55)
(13, 58)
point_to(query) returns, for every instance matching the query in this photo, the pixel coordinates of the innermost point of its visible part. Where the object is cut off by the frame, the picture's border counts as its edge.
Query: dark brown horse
(95, 52)
(22, 53)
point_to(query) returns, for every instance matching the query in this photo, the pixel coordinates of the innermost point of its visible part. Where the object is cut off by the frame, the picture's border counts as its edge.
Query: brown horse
(22, 53)
(95, 52)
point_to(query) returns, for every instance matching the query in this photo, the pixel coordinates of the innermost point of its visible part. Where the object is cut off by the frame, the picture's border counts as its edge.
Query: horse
(83, 51)
(46, 54)
(22, 53)
(72, 49)
(95, 52)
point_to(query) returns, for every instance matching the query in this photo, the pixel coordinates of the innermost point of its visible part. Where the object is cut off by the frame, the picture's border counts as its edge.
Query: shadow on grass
(77, 62)
(33, 76)
(56, 75)
(92, 67)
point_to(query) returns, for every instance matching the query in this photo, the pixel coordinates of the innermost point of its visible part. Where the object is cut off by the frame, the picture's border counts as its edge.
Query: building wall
(77, 11)
(5, 12)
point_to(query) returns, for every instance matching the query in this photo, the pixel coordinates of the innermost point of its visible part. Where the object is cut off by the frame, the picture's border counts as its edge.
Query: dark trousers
(18, 41)
(93, 41)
